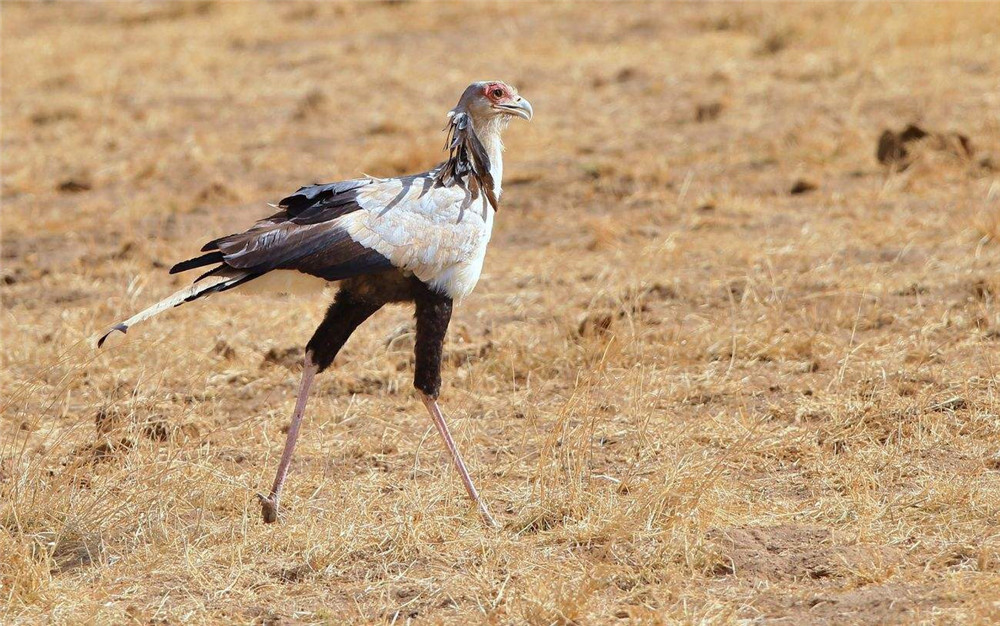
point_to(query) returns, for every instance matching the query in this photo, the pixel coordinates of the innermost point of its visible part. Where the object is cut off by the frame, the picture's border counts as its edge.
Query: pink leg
(270, 504)
(435, 411)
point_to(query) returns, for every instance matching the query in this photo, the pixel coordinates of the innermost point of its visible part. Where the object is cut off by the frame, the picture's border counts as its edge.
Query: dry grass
(690, 395)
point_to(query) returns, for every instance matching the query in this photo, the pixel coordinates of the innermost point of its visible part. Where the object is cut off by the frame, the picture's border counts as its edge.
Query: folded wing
(346, 229)
(303, 236)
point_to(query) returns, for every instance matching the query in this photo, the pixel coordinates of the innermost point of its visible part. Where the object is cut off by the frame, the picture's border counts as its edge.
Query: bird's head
(474, 143)
(491, 101)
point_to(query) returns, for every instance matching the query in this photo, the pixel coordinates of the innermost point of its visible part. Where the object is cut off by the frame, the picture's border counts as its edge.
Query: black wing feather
(468, 163)
(201, 261)
(302, 236)
(315, 196)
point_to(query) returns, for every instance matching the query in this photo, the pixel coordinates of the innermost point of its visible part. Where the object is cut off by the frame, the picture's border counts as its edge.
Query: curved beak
(520, 108)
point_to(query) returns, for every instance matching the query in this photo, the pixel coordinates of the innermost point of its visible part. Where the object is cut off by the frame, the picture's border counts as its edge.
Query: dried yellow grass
(688, 395)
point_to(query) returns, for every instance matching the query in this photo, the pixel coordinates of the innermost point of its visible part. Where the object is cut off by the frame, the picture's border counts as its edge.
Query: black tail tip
(120, 327)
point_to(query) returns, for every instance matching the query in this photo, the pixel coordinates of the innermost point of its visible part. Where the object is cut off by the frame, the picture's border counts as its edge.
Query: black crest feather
(467, 159)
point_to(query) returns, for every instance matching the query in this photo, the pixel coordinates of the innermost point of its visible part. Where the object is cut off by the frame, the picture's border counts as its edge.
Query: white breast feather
(431, 235)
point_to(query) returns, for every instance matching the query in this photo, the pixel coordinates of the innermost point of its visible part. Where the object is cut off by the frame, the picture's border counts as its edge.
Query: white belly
(460, 279)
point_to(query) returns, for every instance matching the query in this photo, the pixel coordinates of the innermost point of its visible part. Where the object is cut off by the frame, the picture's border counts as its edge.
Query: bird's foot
(488, 519)
(269, 507)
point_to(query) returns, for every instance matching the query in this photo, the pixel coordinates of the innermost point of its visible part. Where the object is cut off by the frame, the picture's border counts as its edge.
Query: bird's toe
(269, 508)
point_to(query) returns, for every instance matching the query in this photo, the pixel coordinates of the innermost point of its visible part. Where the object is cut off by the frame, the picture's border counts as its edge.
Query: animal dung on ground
(623, 75)
(596, 323)
(75, 185)
(893, 148)
(311, 105)
(287, 357)
(802, 186)
(108, 420)
(890, 148)
(708, 111)
(957, 143)
(215, 192)
(226, 351)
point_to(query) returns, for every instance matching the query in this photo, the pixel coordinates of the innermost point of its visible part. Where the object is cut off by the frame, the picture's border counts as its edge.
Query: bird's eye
(498, 93)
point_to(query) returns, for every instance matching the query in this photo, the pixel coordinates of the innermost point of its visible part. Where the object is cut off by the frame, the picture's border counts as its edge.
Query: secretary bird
(419, 238)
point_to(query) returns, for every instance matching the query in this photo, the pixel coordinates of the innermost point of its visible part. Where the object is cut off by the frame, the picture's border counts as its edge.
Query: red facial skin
(493, 89)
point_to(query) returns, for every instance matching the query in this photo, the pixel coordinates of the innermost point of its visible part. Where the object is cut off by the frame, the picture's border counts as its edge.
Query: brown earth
(730, 359)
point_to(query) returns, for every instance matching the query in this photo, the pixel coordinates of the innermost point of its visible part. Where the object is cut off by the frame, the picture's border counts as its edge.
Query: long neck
(489, 135)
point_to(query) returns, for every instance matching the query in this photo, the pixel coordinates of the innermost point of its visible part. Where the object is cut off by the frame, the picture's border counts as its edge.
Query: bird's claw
(269, 508)
(488, 519)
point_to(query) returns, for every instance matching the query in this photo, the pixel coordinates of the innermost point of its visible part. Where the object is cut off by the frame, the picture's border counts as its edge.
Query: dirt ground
(723, 363)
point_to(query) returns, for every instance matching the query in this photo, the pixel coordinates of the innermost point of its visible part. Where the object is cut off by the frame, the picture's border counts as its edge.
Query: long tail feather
(208, 286)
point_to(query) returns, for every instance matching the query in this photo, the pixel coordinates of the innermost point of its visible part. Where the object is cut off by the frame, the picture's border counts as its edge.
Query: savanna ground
(688, 393)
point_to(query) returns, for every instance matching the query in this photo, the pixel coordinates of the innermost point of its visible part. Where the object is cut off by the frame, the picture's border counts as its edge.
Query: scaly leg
(433, 316)
(270, 503)
(345, 314)
(435, 411)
